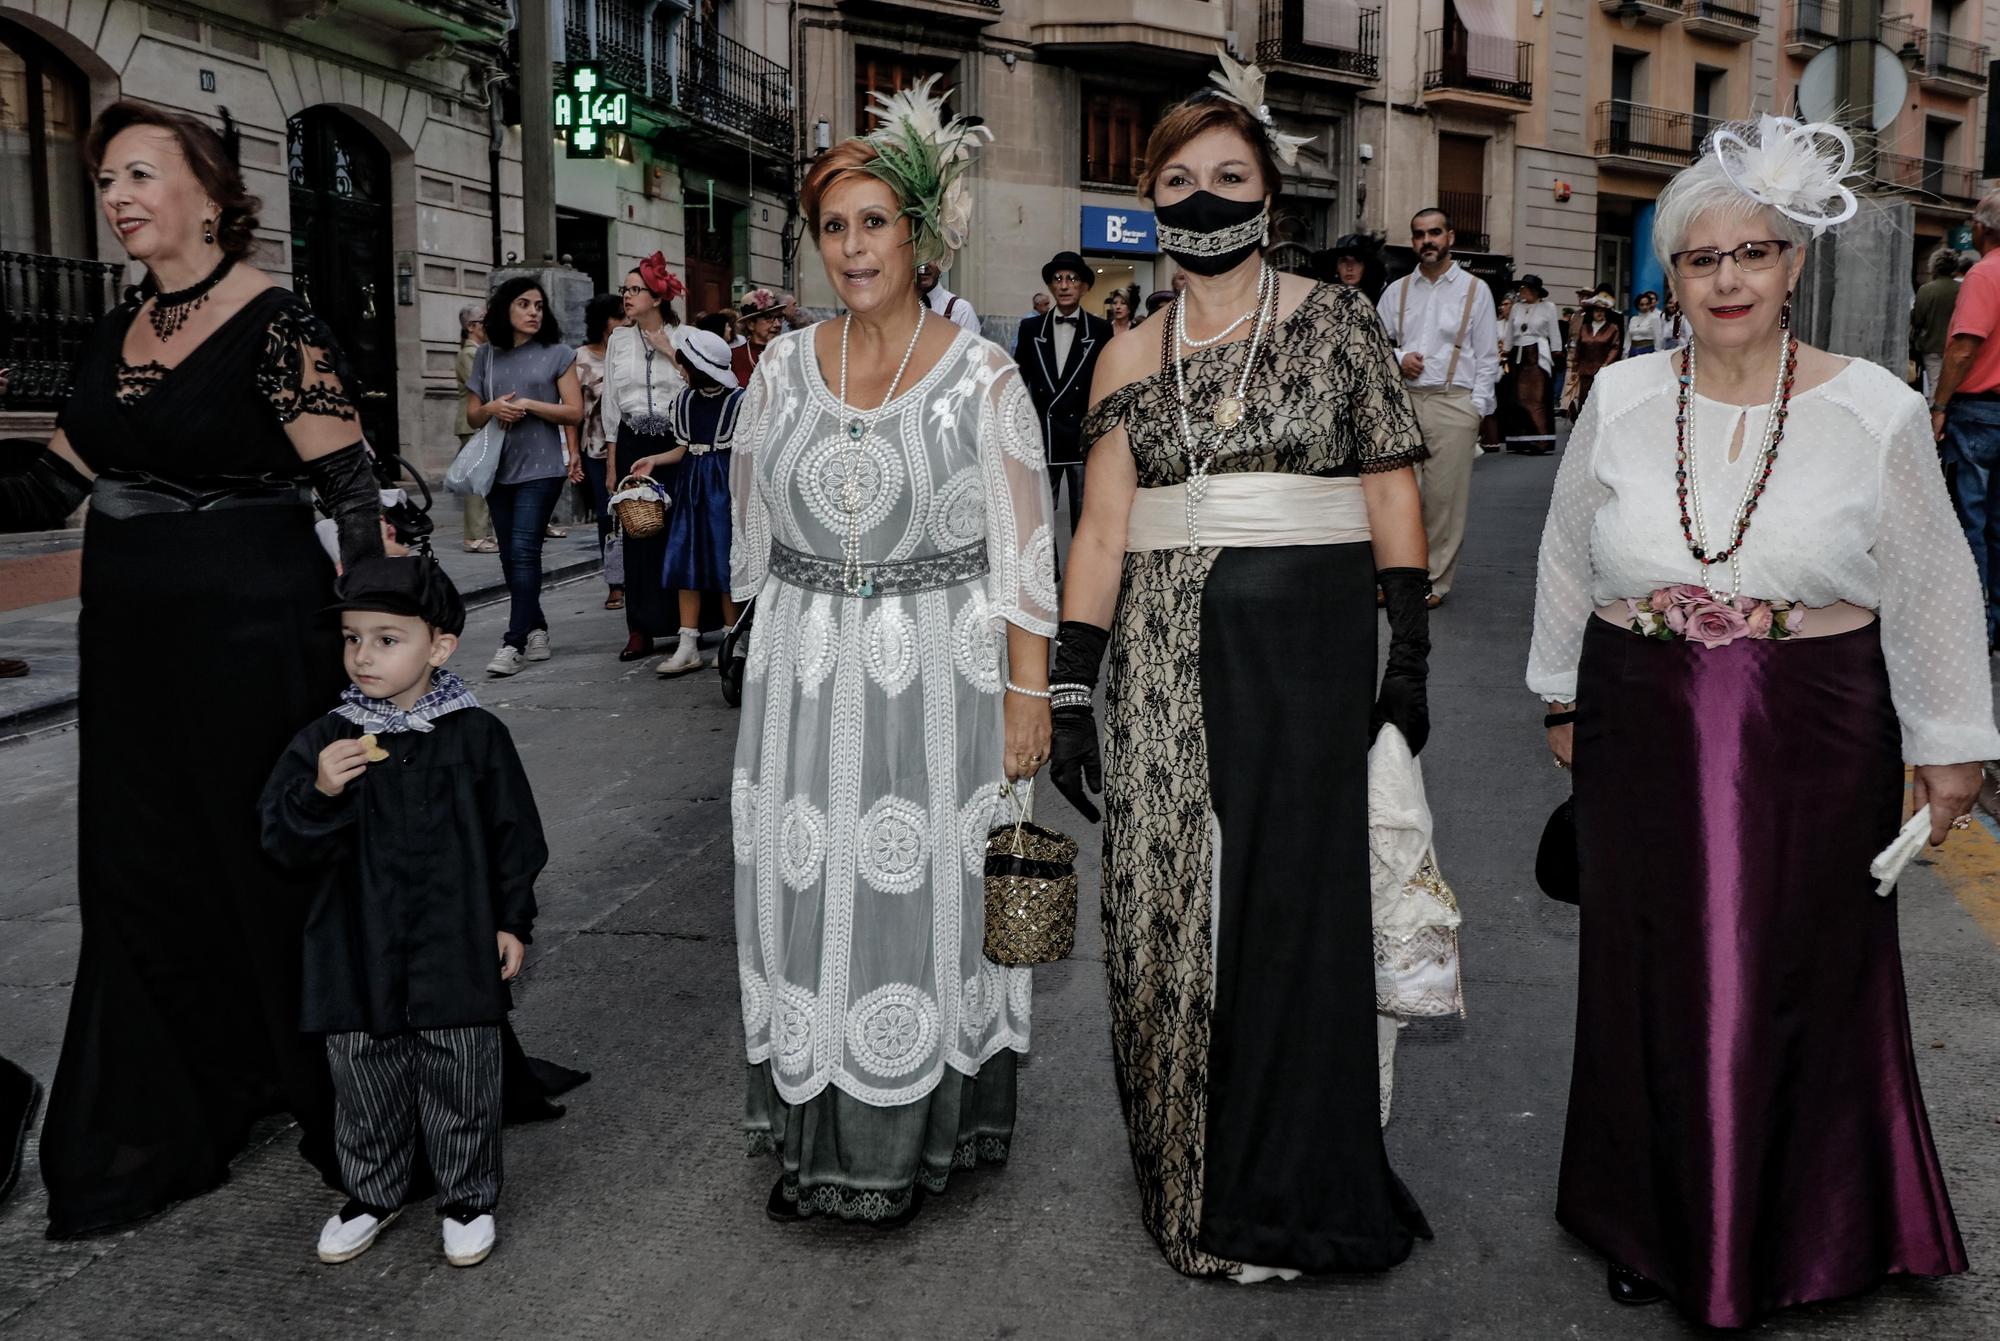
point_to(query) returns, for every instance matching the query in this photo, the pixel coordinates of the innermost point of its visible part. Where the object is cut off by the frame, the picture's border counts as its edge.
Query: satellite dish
(1818, 100)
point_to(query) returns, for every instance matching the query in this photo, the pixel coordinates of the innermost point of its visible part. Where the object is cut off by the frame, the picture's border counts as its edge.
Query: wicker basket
(641, 517)
(1030, 893)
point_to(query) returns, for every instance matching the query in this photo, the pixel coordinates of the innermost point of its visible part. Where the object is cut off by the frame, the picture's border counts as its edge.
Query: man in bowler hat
(1058, 352)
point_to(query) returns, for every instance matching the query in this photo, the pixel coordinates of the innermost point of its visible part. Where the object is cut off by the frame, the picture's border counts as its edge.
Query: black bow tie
(1069, 321)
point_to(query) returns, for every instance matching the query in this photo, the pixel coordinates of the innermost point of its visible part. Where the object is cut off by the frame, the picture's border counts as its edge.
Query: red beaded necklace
(1684, 489)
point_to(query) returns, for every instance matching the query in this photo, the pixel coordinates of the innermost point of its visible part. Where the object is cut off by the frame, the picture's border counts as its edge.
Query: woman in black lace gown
(210, 409)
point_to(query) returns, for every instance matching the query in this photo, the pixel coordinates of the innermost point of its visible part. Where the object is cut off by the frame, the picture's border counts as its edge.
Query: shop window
(888, 72)
(1115, 126)
(45, 201)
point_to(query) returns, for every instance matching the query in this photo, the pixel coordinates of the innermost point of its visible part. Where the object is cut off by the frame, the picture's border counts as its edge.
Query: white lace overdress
(869, 761)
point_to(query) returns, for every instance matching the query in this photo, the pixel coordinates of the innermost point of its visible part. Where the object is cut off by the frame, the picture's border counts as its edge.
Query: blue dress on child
(698, 519)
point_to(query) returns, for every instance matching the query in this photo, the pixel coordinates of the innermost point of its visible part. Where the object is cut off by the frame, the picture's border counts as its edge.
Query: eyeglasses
(1702, 262)
(629, 290)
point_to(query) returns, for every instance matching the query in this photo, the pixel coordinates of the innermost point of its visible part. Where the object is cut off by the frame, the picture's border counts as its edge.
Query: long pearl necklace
(1228, 412)
(1694, 526)
(858, 429)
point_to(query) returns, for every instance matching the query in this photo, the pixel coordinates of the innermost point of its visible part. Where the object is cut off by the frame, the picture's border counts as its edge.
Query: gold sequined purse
(1030, 890)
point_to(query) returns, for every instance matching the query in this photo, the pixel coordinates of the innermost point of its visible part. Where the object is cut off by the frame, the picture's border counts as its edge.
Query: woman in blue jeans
(524, 377)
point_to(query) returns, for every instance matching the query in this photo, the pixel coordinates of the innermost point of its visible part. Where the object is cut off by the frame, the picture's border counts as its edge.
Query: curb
(59, 712)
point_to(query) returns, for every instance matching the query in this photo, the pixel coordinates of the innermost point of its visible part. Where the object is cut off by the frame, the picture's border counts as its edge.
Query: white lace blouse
(1856, 511)
(636, 386)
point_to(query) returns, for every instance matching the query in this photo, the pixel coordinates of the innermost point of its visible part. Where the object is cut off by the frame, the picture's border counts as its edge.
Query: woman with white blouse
(1753, 609)
(641, 384)
(1643, 328)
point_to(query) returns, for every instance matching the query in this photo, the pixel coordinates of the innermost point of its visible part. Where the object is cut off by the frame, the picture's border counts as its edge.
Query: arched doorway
(343, 253)
(45, 204)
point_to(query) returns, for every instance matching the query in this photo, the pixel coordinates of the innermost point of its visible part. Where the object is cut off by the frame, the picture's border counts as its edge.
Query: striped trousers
(441, 1083)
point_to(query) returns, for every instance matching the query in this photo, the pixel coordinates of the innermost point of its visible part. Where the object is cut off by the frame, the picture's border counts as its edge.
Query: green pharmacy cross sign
(587, 107)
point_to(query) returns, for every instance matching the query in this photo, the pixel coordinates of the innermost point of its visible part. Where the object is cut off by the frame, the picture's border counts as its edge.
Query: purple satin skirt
(1745, 1124)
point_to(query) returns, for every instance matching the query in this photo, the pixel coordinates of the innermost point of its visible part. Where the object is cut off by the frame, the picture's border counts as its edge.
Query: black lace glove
(1402, 702)
(41, 497)
(1074, 760)
(345, 483)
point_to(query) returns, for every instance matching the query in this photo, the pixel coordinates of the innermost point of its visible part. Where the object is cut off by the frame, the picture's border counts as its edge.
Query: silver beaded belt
(653, 425)
(906, 577)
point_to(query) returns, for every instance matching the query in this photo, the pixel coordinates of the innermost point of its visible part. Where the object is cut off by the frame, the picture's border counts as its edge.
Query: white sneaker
(538, 645)
(507, 661)
(344, 1240)
(468, 1244)
(686, 657)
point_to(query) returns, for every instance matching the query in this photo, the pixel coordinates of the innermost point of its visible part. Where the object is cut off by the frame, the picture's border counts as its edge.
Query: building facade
(1071, 90)
(387, 153)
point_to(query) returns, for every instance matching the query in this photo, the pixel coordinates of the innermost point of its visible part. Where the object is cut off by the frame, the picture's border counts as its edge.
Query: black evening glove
(1073, 755)
(1402, 702)
(345, 483)
(41, 497)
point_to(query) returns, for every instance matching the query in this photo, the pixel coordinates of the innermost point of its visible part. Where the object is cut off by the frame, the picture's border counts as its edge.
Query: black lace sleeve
(1110, 413)
(1383, 422)
(302, 370)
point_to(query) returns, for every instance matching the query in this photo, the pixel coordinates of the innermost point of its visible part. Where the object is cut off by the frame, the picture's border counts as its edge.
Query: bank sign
(1119, 230)
(587, 107)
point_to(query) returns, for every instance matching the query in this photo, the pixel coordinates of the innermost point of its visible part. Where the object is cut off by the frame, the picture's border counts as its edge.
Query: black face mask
(1209, 234)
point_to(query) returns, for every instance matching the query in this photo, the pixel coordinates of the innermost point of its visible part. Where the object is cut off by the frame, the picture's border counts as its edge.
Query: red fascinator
(660, 281)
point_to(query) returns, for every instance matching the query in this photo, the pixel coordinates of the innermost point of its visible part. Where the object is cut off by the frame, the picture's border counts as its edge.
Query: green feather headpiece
(923, 158)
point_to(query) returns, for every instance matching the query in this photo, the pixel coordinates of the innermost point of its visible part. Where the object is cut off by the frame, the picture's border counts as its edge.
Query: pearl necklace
(1694, 526)
(1222, 334)
(1228, 412)
(858, 429)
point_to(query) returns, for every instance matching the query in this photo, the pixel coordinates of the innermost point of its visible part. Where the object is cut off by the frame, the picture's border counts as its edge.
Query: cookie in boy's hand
(376, 754)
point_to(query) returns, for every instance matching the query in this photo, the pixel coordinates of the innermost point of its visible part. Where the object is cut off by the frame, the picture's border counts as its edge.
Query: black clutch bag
(1555, 859)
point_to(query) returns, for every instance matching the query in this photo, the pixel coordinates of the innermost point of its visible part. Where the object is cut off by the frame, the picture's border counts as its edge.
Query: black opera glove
(345, 483)
(1402, 701)
(41, 497)
(1074, 758)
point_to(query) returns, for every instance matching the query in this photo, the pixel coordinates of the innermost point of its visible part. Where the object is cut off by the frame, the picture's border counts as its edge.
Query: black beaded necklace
(171, 310)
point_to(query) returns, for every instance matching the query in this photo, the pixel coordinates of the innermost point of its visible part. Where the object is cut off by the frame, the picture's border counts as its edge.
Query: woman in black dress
(210, 409)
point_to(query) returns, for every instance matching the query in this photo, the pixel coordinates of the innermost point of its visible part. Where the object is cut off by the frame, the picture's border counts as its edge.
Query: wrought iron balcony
(1731, 21)
(1927, 176)
(1814, 25)
(1953, 65)
(685, 67)
(1635, 12)
(1453, 78)
(1467, 212)
(47, 306)
(1649, 137)
(1293, 32)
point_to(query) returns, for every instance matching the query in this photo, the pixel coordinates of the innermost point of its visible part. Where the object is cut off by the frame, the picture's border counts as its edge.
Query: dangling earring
(1785, 314)
(208, 231)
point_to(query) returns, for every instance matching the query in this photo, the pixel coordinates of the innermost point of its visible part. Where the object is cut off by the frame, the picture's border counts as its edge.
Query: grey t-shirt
(534, 449)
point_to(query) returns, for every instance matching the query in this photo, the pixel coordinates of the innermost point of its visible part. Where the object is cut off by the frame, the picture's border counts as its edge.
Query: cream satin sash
(1251, 510)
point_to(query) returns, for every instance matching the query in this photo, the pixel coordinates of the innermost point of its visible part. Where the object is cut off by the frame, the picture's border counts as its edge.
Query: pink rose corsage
(1692, 613)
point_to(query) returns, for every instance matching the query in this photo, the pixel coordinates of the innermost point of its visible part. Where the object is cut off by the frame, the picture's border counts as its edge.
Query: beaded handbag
(1030, 890)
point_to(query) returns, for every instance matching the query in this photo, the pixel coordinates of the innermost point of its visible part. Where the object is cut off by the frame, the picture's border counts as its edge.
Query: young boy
(412, 798)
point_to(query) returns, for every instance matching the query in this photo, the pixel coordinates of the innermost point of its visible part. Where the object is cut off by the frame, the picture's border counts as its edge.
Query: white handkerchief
(1891, 860)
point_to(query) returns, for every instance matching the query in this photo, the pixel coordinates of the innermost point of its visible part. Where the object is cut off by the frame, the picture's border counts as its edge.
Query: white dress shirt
(1646, 327)
(960, 311)
(1534, 326)
(1433, 310)
(636, 386)
(1064, 334)
(1858, 514)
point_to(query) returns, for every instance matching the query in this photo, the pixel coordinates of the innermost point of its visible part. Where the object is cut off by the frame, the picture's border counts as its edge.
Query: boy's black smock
(427, 855)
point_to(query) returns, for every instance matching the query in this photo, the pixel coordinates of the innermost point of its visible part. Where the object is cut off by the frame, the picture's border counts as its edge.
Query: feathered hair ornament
(923, 157)
(1244, 84)
(1795, 168)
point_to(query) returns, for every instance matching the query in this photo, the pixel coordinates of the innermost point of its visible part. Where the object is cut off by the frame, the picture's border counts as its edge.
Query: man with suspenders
(1442, 321)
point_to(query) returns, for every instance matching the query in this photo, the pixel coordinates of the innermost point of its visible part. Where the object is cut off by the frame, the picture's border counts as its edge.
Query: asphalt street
(638, 1215)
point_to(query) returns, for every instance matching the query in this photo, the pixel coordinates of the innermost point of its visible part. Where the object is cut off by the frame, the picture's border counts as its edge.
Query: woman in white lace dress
(892, 524)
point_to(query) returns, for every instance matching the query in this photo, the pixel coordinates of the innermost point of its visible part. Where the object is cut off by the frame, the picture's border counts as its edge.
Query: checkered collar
(447, 694)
